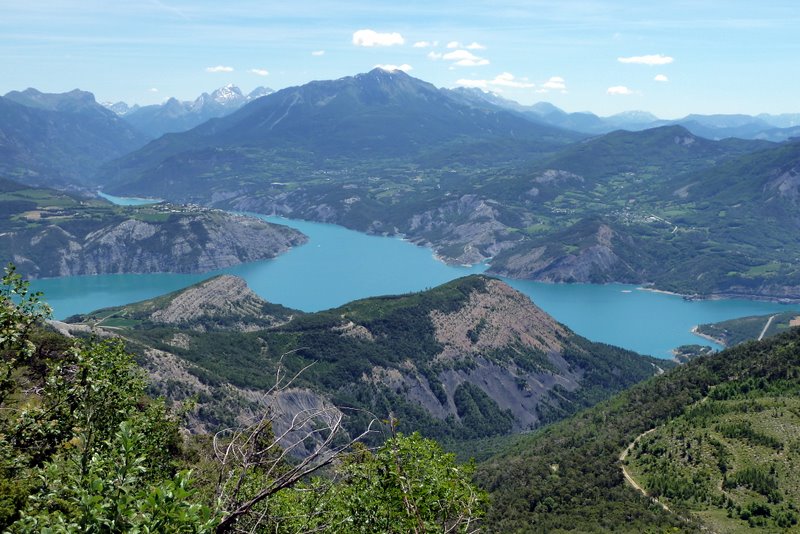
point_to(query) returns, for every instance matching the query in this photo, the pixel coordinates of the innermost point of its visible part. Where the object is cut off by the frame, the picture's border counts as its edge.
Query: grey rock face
(196, 241)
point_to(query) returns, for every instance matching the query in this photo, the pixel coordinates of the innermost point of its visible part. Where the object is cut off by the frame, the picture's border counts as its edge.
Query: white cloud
(472, 62)
(219, 68)
(456, 55)
(661, 78)
(453, 44)
(556, 83)
(373, 38)
(475, 46)
(619, 90)
(260, 72)
(465, 58)
(505, 79)
(652, 59)
(405, 67)
(434, 55)
(318, 53)
(153, 90)
(423, 44)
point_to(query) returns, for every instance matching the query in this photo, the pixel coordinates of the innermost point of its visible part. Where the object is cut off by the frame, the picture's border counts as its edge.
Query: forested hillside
(85, 450)
(722, 452)
(468, 359)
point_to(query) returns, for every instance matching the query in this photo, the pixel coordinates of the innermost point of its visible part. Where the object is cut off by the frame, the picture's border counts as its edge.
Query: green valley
(659, 206)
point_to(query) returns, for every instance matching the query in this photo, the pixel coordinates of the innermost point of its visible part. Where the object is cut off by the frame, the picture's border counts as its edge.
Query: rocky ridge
(221, 296)
(480, 343)
(182, 241)
(471, 358)
(596, 261)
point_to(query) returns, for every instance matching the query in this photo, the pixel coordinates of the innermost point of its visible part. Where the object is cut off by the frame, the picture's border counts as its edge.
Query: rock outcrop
(498, 341)
(224, 298)
(179, 240)
(221, 303)
(596, 260)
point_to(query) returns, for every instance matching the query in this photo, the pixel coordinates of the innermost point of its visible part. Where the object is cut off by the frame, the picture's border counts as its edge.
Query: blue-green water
(336, 266)
(128, 201)
(339, 265)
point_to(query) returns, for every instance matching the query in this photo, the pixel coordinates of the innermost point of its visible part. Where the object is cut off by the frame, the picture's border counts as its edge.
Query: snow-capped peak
(228, 95)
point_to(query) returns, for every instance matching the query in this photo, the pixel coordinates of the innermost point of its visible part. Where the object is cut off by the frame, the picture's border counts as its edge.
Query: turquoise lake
(339, 265)
(127, 201)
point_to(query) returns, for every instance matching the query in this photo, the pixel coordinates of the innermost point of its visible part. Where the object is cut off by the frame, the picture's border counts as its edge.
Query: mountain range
(476, 178)
(178, 116)
(720, 126)
(59, 140)
(374, 119)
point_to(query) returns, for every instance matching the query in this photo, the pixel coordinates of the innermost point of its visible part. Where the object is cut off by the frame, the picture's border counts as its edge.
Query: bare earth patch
(495, 319)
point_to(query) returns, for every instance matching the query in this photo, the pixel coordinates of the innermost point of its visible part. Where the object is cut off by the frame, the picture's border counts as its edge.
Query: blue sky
(671, 58)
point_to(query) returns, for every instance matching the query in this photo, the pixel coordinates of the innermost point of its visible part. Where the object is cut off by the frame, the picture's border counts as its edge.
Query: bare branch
(241, 451)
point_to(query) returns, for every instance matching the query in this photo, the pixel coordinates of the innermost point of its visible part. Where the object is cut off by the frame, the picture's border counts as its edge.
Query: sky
(670, 58)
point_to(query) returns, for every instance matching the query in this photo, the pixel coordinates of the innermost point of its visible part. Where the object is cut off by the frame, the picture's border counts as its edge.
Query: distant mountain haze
(472, 175)
(764, 126)
(59, 139)
(363, 118)
(178, 116)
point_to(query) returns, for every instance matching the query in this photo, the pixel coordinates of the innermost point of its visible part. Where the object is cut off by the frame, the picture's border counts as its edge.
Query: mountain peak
(120, 108)
(384, 71)
(546, 108)
(258, 92)
(635, 116)
(75, 100)
(223, 296)
(381, 84)
(228, 94)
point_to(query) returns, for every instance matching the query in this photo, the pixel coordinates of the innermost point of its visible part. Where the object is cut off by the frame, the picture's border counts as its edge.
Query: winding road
(629, 479)
(635, 485)
(766, 326)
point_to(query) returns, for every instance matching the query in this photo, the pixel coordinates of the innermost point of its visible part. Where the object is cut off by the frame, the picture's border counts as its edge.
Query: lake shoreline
(756, 297)
(339, 265)
(719, 342)
(487, 263)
